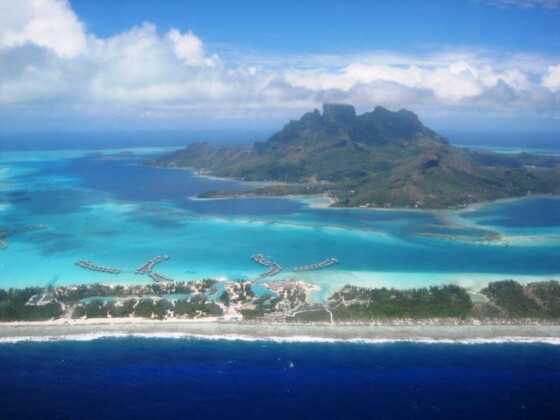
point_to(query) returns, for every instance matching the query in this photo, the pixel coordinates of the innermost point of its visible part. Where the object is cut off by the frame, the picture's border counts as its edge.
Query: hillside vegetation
(378, 159)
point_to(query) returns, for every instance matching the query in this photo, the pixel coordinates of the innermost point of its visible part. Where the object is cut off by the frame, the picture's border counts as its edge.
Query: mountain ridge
(380, 158)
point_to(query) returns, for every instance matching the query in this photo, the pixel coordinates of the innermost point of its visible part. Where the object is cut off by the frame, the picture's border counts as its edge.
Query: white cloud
(448, 81)
(46, 23)
(551, 79)
(49, 63)
(189, 48)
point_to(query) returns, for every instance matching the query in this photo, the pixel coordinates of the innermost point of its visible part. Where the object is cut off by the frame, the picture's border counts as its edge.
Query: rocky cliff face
(339, 114)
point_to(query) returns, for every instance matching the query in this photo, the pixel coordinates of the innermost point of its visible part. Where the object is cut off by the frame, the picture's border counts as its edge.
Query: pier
(147, 267)
(317, 266)
(159, 277)
(4, 233)
(24, 229)
(274, 268)
(89, 266)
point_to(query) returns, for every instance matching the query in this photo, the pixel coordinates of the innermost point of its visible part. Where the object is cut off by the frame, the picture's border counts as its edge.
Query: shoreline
(211, 329)
(331, 201)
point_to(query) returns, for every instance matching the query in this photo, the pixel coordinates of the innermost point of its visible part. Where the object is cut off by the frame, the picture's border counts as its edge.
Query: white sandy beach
(211, 329)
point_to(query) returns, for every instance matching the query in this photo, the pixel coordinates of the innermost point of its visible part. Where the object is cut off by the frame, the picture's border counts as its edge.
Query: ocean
(104, 205)
(107, 207)
(182, 378)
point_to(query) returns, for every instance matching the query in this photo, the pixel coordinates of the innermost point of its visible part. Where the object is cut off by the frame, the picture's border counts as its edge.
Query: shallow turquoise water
(108, 208)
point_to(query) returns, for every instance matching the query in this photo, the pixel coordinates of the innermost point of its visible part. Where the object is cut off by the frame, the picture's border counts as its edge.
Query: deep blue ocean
(182, 378)
(108, 207)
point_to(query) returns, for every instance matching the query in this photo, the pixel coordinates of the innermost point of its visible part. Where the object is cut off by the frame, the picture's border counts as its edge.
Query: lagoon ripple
(109, 208)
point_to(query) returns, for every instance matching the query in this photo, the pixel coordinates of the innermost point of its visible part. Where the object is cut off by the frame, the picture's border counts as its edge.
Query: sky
(133, 64)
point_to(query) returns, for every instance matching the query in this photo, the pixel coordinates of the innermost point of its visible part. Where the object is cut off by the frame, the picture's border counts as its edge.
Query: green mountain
(378, 159)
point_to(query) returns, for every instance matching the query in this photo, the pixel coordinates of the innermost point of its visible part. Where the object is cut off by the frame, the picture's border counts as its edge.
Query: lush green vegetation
(536, 300)
(547, 294)
(132, 300)
(377, 159)
(148, 308)
(13, 306)
(77, 293)
(357, 303)
(261, 306)
(506, 299)
(198, 305)
(312, 315)
(256, 312)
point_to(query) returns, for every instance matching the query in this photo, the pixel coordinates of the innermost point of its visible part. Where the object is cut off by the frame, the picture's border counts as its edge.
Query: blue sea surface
(182, 378)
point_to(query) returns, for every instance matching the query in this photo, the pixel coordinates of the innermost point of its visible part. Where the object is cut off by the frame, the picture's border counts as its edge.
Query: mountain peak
(380, 158)
(339, 113)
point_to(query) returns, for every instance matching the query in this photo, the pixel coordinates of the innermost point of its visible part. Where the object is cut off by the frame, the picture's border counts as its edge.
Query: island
(378, 159)
(287, 301)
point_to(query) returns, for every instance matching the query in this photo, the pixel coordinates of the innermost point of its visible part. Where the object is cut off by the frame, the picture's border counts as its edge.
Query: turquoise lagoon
(107, 207)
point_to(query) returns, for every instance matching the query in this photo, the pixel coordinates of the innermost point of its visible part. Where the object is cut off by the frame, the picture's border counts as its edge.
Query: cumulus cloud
(189, 48)
(46, 23)
(551, 79)
(49, 62)
(447, 81)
